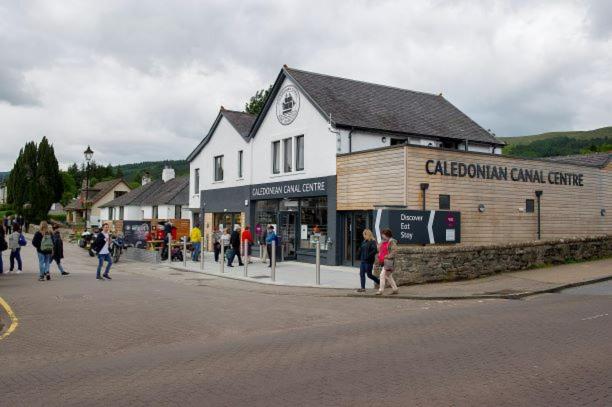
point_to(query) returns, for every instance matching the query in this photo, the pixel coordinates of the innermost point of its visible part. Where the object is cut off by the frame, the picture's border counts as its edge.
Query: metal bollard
(170, 250)
(273, 262)
(184, 252)
(202, 254)
(222, 257)
(318, 263)
(245, 258)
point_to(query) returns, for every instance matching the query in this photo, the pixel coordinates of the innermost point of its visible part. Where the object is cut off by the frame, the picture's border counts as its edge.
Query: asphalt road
(159, 337)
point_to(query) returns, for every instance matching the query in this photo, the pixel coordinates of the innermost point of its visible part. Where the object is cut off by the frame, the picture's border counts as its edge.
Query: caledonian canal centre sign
(495, 172)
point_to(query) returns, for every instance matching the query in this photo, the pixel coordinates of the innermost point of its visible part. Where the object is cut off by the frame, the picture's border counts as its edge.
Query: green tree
(257, 101)
(70, 187)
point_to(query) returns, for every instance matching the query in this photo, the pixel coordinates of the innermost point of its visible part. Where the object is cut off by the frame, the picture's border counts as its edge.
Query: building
(164, 199)
(3, 192)
(325, 153)
(97, 195)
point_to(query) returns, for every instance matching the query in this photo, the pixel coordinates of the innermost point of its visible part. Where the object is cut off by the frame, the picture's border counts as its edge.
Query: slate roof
(590, 160)
(240, 121)
(94, 193)
(158, 192)
(369, 106)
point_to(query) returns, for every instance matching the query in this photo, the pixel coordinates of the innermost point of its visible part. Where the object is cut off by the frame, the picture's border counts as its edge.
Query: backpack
(46, 245)
(22, 240)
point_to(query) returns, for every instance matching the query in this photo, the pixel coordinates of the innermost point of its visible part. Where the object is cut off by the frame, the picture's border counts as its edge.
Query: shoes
(229, 265)
(41, 279)
(377, 286)
(241, 264)
(65, 273)
(18, 271)
(99, 278)
(48, 276)
(379, 292)
(106, 276)
(360, 290)
(395, 292)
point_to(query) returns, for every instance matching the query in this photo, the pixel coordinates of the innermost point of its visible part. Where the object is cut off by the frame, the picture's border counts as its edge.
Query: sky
(143, 80)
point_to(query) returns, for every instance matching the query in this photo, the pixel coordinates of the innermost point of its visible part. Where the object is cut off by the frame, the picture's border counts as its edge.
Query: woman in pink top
(386, 259)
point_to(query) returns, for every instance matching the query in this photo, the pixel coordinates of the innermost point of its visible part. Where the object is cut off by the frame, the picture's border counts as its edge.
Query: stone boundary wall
(147, 256)
(426, 264)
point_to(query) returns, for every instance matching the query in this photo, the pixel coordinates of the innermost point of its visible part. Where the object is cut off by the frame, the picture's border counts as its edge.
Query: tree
(257, 101)
(70, 187)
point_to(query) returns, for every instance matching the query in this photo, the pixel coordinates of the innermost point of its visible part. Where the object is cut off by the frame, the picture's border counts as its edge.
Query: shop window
(219, 168)
(196, 181)
(240, 157)
(313, 227)
(529, 205)
(155, 212)
(288, 154)
(299, 153)
(398, 141)
(177, 211)
(444, 202)
(121, 212)
(275, 157)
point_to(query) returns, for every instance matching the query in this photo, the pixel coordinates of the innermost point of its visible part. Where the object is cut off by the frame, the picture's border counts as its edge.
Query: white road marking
(594, 317)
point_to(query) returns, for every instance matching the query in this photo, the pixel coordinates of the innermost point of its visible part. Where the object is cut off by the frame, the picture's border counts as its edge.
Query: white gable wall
(319, 143)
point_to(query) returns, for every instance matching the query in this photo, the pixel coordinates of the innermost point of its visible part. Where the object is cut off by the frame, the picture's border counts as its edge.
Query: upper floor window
(276, 157)
(288, 154)
(444, 202)
(119, 193)
(219, 168)
(240, 164)
(529, 205)
(299, 153)
(196, 181)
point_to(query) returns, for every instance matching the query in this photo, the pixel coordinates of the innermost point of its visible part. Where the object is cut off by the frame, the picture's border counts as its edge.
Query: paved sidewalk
(506, 285)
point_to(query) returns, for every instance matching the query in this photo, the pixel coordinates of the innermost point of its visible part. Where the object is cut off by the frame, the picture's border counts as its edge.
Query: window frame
(288, 154)
(440, 202)
(276, 157)
(299, 149)
(240, 164)
(121, 212)
(529, 202)
(177, 211)
(218, 174)
(154, 212)
(196, 181)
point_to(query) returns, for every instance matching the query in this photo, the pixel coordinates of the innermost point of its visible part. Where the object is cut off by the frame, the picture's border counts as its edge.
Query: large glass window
(313, 227)
(299, 153)
(275, 157)
(227, 220)
(219, 168)
(288, 154)
(196, 181)
(240, 156)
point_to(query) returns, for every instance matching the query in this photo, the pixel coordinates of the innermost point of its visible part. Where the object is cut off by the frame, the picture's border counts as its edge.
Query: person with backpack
(235, 250)
(271, 239)
(386, 258)
(16, 241)
(58, 250)
(101, 246)
(43, 242)
(3, 247)
(367, 255)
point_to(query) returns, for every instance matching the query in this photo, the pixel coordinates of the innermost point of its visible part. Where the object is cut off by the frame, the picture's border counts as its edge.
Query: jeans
(366, 269)
(236, 253)
(59, 265)
(1, 264)
(101, 259)
(195, 252)
(44, 260)
(217, 252)
(386, 275)
(16, 254)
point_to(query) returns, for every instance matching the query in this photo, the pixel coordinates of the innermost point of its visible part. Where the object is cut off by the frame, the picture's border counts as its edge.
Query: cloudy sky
(143, 80)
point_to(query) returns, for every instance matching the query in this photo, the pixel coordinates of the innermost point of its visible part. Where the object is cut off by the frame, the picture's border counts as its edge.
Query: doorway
(288, 234)
(353, 225)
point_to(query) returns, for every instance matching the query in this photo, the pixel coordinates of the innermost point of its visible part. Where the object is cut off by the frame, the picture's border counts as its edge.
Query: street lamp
(88, 154)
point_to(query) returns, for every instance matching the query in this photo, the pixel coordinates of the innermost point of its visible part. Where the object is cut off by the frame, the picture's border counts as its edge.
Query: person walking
(3, 247)
(386, 258)
(195, 236)
(58, 250)
(217, 243)
(248, 238)
(43, 242)
(16, 240)
(235, 245)
(102, 245)
(367, 255)
(270, 240)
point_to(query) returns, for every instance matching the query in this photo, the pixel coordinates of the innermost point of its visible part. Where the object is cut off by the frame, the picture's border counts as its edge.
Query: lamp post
(88, 154)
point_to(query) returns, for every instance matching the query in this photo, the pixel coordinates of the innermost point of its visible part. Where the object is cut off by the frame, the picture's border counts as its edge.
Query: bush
(60, 217)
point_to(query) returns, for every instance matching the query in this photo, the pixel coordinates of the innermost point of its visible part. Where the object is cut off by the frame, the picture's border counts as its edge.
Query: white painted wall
(319, 144)
(194, 190)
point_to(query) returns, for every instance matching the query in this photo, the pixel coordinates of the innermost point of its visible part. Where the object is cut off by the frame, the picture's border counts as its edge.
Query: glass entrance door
(287, 229)
(354, 224)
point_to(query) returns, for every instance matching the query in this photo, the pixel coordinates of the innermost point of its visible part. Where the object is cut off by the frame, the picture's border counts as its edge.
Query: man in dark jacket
(235, 243)
(58, 250)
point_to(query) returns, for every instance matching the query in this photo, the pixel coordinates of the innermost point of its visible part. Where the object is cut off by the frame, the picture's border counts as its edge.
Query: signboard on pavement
(419, 227)
(135, 232)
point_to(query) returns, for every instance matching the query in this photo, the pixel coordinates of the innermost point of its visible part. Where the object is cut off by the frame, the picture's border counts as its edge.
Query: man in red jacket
(248, 238)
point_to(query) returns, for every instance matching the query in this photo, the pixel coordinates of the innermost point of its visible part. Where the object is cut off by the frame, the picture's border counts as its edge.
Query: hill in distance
(559, 143)
(132, 172)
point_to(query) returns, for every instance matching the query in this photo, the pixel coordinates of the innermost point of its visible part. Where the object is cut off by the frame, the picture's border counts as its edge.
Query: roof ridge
(363, 82)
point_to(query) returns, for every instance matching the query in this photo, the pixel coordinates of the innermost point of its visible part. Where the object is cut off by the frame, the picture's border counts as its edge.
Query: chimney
(167, 173)
(146, 178)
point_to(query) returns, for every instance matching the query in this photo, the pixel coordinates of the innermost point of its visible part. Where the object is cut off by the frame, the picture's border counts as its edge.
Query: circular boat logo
(287, 105)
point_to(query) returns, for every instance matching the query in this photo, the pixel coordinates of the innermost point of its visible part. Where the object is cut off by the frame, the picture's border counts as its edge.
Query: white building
(282, 170)
(3, 196)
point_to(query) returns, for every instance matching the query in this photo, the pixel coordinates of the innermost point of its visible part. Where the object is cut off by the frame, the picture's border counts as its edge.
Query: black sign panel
(419, 227)
(289, 189)
(135, 232)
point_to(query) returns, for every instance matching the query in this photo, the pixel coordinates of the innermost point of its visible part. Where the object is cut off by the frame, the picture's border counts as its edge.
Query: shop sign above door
(289, 189)
(419, 227)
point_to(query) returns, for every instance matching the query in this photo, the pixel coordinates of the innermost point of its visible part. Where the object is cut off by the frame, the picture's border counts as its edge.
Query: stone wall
(425, 264)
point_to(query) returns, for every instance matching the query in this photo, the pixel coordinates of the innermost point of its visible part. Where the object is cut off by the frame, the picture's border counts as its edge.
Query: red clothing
(161, 234)
(246, 235)
(384, 250)
(173, 232)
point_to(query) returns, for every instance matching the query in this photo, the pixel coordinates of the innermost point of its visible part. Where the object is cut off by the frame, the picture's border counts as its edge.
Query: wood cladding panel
(567, 210)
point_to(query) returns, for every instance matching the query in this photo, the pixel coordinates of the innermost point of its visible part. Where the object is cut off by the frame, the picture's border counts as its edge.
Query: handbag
(389, 265)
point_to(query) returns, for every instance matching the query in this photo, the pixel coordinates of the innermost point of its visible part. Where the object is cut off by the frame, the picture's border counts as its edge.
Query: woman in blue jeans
(43, 242)
(102, 246)
(367, 255)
